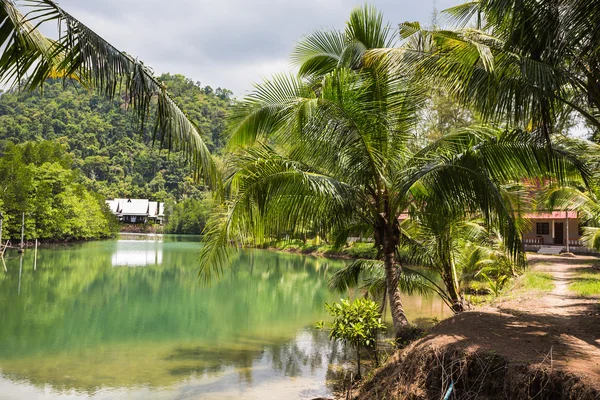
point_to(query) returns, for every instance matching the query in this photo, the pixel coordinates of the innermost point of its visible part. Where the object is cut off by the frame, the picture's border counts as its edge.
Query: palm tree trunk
(393, 293)
(358, 374)
(453, 291)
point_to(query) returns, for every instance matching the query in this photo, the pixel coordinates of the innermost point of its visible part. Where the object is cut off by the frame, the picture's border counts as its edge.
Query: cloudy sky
(226, 43)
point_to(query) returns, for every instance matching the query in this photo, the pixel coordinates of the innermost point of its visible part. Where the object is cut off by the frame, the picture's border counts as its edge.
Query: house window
(543, 228)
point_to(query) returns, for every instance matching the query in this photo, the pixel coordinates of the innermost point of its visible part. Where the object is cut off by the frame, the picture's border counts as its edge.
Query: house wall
(549, 239)
(139, 219)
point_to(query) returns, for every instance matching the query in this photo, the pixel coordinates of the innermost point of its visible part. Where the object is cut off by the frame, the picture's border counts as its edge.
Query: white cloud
(226, 43)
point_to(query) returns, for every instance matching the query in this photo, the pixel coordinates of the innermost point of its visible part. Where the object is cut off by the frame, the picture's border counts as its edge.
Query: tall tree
(525, 62)
(327, 152)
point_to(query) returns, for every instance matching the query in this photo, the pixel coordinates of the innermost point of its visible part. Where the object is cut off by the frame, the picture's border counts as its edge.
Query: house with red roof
(554, 231)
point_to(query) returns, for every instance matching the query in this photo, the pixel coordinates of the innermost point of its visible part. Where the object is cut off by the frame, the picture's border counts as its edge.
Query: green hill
(116, 159)
(66, 149)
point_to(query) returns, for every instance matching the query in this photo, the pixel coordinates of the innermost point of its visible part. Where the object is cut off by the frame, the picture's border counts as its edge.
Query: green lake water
(128, 319)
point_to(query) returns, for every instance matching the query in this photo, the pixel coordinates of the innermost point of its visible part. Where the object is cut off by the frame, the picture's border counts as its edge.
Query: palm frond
(351, 275)
(571, 198)
(462, 14)
(524, 63)
(273, 196)
(319, 53)
(591, 238)
(29, 59)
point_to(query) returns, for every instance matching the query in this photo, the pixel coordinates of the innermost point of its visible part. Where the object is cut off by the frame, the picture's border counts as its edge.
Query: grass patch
(529, 284)
(535, 280)
(586, 284)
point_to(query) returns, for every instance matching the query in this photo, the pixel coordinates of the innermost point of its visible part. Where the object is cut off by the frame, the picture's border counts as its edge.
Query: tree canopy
(38, 179)
(116, 158)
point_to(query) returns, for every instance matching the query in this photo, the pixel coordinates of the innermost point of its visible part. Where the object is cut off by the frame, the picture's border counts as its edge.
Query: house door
(559, 233)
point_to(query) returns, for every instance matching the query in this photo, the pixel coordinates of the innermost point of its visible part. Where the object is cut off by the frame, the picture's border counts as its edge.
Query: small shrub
(356, 323)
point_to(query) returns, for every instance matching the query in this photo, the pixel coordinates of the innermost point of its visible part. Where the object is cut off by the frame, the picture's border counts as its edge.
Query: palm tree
(526, 62)
(458, 251)
(29, 58)
(330, 152)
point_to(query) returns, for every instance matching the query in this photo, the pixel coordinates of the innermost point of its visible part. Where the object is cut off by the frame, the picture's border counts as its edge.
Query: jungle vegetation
(112, 157)
(37, 178)
(359, 139)
(332, 150)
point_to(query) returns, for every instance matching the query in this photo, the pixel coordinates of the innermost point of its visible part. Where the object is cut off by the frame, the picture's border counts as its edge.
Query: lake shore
(354, 250)
(538, 340)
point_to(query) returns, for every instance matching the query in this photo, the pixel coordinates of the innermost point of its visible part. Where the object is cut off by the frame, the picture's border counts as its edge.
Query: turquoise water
(128, 319)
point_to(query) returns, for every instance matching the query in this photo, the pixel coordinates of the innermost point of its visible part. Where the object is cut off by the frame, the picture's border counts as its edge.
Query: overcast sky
(226, 43)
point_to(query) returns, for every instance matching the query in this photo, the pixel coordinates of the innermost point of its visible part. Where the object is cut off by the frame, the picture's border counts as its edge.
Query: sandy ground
(558, 329)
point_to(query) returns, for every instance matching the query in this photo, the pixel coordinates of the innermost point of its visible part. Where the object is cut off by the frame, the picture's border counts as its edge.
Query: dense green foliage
(78, 54)
(189, 216)
(105, 140)
(529, 63)
(38, 179)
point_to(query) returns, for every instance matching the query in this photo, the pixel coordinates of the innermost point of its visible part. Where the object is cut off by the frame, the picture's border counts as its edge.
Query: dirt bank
(544, 347)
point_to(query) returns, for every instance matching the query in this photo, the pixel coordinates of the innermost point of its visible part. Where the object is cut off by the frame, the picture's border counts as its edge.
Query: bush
(356, 323)
(189, 216)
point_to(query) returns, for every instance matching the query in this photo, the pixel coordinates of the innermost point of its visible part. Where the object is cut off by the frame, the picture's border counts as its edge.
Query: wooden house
(137, 211)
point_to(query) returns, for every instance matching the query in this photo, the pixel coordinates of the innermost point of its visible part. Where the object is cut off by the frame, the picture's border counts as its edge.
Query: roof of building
(135, 207)
(552, 215)
(113, 205)
(152, 208)
(120, 202)
(161, 209)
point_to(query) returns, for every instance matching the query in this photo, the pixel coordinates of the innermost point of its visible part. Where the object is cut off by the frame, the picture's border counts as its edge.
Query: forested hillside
(116, 159)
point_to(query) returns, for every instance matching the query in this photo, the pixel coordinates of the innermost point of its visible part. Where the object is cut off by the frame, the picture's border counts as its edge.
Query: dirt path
(572, 322)
(557, 330)
(529, 344)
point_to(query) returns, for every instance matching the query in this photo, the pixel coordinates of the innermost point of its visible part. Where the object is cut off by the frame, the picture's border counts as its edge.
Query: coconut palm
(456, 251)
(329, 152)
(526, 62)
(29, 58)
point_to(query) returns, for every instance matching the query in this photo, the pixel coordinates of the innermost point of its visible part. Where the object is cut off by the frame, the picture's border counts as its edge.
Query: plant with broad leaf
(356, 323)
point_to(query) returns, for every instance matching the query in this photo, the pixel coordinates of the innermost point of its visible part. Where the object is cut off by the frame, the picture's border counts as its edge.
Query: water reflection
(85, 326)
(137, 253)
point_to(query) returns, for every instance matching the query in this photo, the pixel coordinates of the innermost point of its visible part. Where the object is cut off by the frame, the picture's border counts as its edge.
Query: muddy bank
(529, 346)
(427, 371)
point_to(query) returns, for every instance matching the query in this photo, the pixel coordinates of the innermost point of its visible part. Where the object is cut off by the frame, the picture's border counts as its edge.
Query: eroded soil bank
(530, 346)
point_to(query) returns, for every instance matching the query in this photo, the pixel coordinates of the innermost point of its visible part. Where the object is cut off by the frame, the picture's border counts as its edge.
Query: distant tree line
(105, 140)
(103, 150)
(37, 179)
